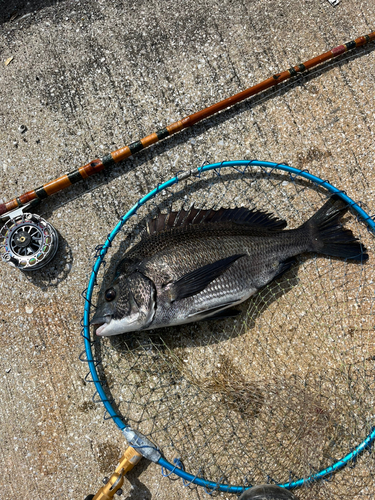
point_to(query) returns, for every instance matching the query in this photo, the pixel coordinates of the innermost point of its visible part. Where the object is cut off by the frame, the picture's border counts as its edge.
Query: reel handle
(128, 460)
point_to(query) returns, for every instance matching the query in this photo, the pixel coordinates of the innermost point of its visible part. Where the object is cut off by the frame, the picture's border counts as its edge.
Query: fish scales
(260, 263)
(198, 264)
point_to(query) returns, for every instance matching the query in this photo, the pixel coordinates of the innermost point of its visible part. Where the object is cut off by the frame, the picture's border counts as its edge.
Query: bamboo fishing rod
(121, 154)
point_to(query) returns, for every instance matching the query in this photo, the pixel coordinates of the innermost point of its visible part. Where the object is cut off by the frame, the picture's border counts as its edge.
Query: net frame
(240, 166)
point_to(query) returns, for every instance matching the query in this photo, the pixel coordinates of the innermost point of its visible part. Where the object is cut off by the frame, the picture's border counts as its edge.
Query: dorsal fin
(242, 215)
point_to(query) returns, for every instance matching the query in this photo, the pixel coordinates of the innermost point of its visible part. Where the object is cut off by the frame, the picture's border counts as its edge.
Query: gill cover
(128, 305)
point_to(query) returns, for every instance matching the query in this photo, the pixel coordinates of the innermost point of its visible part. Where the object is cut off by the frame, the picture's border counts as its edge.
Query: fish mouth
(101, 322)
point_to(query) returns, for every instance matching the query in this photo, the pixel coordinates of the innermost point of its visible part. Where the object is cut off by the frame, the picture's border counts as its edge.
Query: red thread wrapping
(338, 50)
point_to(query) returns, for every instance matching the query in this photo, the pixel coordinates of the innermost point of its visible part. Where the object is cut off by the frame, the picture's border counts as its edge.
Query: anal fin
(285, 266)
(229, 312)
(222, 311)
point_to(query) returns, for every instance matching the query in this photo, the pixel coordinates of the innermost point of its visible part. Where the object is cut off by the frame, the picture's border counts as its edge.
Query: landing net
(283, 393)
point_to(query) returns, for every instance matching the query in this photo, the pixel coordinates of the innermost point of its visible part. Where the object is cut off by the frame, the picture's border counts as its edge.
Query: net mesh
(280, 392)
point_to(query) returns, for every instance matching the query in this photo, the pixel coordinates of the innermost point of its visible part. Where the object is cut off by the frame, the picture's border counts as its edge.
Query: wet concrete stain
(86, 406)
(312, 154)
(108, 457)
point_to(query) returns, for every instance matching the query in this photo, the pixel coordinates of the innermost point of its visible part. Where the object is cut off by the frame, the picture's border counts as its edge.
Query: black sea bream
(198, 264)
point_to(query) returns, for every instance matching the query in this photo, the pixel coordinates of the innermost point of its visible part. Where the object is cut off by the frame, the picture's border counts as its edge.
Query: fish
(199, 264)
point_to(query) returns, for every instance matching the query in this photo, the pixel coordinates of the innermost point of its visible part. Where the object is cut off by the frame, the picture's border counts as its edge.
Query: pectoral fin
(194, 282)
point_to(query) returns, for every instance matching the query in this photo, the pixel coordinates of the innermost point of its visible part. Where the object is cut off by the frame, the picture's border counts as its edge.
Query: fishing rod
(28, 242)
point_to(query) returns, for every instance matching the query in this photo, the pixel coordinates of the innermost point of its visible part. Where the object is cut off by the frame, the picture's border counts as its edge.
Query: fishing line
(283, 395)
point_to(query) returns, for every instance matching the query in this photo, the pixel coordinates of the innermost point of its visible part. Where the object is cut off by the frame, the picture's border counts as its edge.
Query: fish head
(128, 305)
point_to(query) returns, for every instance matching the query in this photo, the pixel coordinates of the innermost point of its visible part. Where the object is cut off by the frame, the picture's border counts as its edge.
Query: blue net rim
(241, 166)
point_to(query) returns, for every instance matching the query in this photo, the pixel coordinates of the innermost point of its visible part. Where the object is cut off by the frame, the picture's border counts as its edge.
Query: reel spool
(27, 241)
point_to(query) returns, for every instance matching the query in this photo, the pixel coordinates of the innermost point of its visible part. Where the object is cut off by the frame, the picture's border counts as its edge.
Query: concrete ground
(87, 77)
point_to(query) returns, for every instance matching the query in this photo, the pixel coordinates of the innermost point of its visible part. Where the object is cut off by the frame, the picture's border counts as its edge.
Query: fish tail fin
(329, 237)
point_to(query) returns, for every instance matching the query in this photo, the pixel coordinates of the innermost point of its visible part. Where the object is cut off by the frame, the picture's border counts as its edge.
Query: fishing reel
(27, 241)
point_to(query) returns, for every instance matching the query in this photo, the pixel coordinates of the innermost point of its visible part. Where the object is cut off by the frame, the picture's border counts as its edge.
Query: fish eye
(110, 294)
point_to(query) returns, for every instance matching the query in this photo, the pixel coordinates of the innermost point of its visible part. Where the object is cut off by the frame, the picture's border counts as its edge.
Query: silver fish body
(199, 264)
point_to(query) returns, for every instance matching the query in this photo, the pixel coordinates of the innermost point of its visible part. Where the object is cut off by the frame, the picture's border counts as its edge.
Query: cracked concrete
(88, 77)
